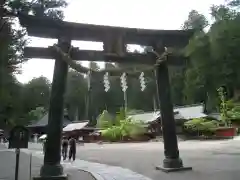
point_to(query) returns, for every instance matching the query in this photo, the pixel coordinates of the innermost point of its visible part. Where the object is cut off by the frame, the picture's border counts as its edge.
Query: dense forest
(212, 53)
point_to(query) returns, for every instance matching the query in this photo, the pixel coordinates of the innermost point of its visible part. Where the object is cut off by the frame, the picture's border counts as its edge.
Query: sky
(147, 14)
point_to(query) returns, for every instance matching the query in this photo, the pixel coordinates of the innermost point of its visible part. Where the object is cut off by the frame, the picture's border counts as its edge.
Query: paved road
(209, 160)
(212, 160)
(78, 169)
(7, 167)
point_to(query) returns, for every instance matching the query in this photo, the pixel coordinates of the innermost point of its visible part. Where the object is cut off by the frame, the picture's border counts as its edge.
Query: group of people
(72, 148)
(71, 143)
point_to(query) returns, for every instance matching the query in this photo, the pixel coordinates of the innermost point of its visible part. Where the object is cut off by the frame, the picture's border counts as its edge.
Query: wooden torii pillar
(52, 158)
(115, 40)
(172, 161)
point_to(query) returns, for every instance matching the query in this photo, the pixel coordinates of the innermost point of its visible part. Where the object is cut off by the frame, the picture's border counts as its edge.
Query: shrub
(112, 134)
(104, 120)
(201, 126)
(127, 128)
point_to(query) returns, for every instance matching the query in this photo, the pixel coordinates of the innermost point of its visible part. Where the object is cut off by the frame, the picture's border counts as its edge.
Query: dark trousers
(64, 153)
(72, 154)
(44, 148)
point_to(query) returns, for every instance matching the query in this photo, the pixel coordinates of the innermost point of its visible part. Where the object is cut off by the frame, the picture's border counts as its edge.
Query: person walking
(64, 148)
(44, 145)
(72, 149)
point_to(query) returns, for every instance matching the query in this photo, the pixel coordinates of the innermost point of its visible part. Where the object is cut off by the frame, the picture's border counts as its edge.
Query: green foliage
(233, 112)
(216, 49)
(127, 128)
(15, 102)
(50, 8)
(75, 96)
(124, 127)
(223, 105)
(36, 114)
(177, 85)
(36, 93)
(234, 3)
(195, 21)
(231, 104)
(136, 129)
(104, 120)
(234, 115)
(213, 62)
(112, 134)
(120, 116)
(195, 124)
(131, 128)
(201, 125)
(118, 119)
(210, 125)
(197, 76)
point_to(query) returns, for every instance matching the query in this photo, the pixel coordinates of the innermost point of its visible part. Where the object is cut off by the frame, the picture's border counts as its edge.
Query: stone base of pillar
(172, 165)
(51, 172)
(62, 177)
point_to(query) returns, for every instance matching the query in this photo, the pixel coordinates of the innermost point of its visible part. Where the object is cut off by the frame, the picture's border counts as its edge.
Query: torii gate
(115, 40)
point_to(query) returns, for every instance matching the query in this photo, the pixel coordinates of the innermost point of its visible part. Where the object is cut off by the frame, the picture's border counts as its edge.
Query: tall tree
(225, 40)
(12, 42)
(195, 21)
(214, 56)
(197, 74)
(51, 8)
(36, 93)
(75, 97)
(184, 89)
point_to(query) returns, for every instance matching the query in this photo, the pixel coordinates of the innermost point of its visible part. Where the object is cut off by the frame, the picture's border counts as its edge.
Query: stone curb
(100, 171)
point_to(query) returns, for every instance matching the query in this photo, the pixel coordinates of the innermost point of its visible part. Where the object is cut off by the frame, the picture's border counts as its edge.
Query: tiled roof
(75, 126)
(145, 117)
(190, 112)
(181, 112)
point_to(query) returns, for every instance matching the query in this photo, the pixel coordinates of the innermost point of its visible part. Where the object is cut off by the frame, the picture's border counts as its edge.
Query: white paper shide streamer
(89, 79)
(124, 82)
(106, 82)
(142, 81)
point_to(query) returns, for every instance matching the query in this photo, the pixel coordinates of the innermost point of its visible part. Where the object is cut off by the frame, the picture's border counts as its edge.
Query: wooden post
(125, 102)
(88, 97)
(172, 162)
(87, 110)
(52, 158)
(17, 151)
(156, 91)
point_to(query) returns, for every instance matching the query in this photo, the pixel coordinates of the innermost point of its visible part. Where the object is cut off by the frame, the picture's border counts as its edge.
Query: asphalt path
(8, 163)
(212, 160)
